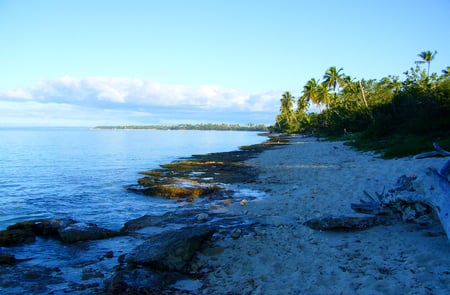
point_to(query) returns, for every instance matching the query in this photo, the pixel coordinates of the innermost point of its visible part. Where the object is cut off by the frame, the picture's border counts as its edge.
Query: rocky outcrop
(16, 237)
(7, 259)
(176, 218)
(139, 281)
(65, 230)
(82, 232)
(201, 175)
(159, 261)
(170, 251)
(146, 221)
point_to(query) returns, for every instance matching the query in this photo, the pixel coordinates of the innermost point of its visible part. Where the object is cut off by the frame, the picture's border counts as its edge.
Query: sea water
(81, 173)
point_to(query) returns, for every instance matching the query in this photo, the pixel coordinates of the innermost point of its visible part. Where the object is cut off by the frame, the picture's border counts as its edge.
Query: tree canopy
(417, 106)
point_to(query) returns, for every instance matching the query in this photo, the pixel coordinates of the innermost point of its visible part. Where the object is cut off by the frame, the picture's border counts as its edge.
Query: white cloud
(112, 91)
(129, 100)
(17, 93)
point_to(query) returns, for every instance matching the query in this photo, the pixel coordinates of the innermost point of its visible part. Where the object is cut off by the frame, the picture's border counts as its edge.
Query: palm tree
(286, 116)
(334, 77)
(427, 57)
(287, 102)
(324, 96)
(445, 74)
(316, 92)
(311, 91)
(302, 105)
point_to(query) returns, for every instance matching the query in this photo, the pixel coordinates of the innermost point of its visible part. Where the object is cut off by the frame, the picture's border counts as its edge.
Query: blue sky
(93, 62)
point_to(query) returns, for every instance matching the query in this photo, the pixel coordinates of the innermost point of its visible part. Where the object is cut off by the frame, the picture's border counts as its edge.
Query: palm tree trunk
(363, 95)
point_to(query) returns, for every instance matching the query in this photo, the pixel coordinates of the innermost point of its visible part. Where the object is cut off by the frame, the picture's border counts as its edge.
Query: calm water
(81, 173)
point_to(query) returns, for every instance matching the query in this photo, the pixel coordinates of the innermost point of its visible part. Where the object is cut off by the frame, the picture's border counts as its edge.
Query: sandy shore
(308, 179)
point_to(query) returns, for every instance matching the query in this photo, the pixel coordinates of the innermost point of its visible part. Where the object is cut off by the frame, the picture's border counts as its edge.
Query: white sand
(308, 179)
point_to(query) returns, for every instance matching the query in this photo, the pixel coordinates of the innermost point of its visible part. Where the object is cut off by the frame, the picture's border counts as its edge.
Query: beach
(309, 178)
(245, 233)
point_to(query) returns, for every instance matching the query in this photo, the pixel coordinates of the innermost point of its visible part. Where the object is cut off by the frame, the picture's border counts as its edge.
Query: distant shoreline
(208, 127)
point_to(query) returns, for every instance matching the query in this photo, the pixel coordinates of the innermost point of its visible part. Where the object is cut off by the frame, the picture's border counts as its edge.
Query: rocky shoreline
(203, 175)
(155, 251)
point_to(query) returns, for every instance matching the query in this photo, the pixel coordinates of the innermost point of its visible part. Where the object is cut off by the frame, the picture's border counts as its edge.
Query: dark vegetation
(392, 116)
(201, 126)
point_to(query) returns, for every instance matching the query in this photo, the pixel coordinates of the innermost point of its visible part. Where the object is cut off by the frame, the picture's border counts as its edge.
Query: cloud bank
(135, 100)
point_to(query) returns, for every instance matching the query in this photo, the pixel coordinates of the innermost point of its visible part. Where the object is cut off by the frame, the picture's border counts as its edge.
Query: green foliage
(400, 145)
(396, 117)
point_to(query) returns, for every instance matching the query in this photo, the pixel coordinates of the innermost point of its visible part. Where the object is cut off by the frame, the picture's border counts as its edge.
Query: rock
(185, 217)
(139, 281)
(145, 221)
(65, 229)
(170, 251)
(227, 202)
(236, 233)
(177, 191)
(89, 273)
(43, 227)
(15, 237)
(7, 259)
(109, 254)
(202, 217)
(84, 232)
(121, 258)
(258, 231)
(243, 202)
(26, 231)
(344, 223)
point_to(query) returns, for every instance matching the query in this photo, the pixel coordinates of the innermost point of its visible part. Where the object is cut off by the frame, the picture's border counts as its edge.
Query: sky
(107, 62)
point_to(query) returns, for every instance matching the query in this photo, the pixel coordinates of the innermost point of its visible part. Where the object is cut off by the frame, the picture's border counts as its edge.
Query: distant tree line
(417, 105)
(200, 126)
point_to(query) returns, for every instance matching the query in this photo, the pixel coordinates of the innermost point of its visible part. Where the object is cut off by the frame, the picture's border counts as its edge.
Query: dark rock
(43, 227)
(121, 258)
(26, 231)
(139, 281)
(89, 273)
(66, 230)
(236, 233)
(145, 221)
(7, 259)
(170, 251)
(344, 223)
(28, 279)
(109, 254)
(15, 237)
(84, 232)
(185, 217)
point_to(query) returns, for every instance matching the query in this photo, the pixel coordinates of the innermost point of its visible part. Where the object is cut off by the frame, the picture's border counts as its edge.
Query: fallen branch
(438, 152)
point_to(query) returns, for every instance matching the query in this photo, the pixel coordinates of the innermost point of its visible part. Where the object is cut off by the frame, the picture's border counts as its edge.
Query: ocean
(81, 173)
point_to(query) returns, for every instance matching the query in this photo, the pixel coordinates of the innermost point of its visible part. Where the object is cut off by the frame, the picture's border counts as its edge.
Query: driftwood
(345, 223)
(411, 199)
(438, 152)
